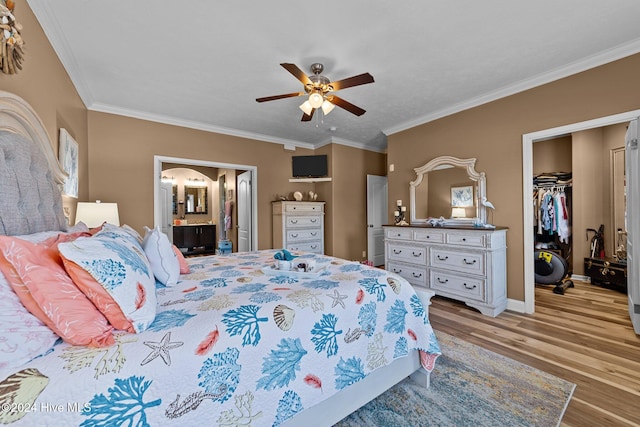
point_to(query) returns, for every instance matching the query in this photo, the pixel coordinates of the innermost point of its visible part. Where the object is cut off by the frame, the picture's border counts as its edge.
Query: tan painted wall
(492, 133)
(347, 234)
(552, 155)
(45, 85)
(121, 155)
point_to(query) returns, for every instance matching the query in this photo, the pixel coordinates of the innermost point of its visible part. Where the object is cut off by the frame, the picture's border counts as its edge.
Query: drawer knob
(469, 262)
(314, 234)
(469, 287)
(397, 271)
(417, 254)
(314, 246)
(294, 235)
(441, 258)
(294, 221)
(464, 239)
(397, 251)
(442, 281)
(417, 275)
(314, 220)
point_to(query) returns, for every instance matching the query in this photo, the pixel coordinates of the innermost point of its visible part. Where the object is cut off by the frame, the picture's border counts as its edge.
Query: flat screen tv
(309, 166)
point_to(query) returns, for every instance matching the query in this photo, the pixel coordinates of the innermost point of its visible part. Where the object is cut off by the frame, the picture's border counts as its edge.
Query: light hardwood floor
(584, 336)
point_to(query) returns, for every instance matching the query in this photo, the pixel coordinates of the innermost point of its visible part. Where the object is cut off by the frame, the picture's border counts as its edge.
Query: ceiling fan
(320, 91)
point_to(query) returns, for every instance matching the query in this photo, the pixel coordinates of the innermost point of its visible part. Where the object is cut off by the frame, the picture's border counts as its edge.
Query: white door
(376, 217)
(633, 223)
(244, 211)
(166, 203)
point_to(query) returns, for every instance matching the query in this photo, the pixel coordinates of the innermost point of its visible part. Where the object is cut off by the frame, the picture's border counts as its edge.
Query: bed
(231, 340)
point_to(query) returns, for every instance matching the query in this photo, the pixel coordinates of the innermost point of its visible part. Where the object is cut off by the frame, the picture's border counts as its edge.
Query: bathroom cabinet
(195, 239)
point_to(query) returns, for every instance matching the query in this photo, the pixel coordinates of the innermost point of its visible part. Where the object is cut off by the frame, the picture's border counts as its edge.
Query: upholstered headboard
(30, 174)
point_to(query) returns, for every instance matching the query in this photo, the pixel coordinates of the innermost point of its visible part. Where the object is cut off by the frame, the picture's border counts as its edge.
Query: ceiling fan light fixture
(306, 107)
(327, 107)
(315, 100)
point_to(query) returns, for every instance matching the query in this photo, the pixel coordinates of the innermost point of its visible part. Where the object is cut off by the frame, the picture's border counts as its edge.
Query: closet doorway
(528, 210)
(251, 213)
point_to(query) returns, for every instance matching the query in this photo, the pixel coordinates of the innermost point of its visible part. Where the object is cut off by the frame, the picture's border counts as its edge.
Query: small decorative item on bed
(101, 328)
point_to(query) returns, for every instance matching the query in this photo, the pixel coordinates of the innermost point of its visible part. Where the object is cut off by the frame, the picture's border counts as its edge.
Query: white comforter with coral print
(230, 345)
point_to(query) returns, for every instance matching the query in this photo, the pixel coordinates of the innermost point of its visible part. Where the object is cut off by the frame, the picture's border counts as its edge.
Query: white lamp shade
(458, 213)
(95, 214)
(327, 107)
(306, 107)
(315, 99)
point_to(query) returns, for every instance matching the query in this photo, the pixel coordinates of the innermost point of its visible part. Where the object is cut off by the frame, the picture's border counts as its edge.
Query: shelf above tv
(309, 179)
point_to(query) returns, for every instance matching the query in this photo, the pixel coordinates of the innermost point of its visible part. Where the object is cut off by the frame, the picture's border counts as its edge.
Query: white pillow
(159, 250)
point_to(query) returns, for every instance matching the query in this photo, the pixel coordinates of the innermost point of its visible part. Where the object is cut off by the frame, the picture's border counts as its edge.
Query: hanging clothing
(228, 210)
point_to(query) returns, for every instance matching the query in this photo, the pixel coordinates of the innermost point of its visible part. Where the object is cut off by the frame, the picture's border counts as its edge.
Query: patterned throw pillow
(113, 271)
(37, 277)
(163, 260)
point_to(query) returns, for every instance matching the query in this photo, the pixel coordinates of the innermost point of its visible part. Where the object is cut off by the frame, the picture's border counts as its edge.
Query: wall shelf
(309, 179)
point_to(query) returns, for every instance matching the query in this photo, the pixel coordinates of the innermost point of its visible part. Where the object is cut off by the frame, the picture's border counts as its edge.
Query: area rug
(470, 386)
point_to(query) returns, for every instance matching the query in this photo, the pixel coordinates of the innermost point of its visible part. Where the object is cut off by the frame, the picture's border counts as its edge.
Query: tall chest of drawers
(298, 226)
(465, 264)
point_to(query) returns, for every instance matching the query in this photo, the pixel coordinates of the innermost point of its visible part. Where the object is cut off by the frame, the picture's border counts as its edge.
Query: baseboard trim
(515, 305)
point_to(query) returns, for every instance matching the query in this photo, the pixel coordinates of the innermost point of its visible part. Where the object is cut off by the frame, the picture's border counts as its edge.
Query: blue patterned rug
(470, 386)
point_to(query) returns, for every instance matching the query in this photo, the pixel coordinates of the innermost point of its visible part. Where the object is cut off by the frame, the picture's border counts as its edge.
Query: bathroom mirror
(448, 187)
(175, 199)
(195, 200)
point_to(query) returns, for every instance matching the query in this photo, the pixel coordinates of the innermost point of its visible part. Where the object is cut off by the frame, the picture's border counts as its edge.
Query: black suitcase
(607, 272)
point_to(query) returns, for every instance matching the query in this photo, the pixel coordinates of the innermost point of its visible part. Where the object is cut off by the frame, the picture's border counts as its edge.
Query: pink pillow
(36, 275)
(184, 267)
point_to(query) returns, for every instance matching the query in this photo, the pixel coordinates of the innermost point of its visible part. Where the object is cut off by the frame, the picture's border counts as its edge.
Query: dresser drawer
(304, 221)
(409, 254)
(470, 239)
(315, 247)
(302, 234)
(429, 236)
(469, 262)
(303, 207)
(414, 275)
(398, 233)
(466, 287)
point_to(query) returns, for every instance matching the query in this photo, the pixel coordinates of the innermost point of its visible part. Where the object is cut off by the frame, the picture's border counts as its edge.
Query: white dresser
(466, 264)
(298, 226)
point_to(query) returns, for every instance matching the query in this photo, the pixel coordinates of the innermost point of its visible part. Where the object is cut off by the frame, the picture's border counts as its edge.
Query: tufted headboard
(30, 175)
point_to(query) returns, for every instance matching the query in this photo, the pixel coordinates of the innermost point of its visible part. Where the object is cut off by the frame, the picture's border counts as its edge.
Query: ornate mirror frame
(440, 163)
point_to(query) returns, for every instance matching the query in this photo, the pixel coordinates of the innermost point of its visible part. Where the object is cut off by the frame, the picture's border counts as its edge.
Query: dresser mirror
(195, 200)
(448, 187)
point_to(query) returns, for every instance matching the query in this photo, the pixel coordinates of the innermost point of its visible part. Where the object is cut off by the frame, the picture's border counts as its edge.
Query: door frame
(528, 305)
(371, 208)
(157, 173)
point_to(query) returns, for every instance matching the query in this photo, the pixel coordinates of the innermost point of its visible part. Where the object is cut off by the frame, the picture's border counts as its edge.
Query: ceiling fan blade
(360, 79)
(354, 109)
(307, 117)
(297, 72)
(286, 95)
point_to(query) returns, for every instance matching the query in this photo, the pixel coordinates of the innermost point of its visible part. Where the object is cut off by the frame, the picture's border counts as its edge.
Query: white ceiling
(202, 63)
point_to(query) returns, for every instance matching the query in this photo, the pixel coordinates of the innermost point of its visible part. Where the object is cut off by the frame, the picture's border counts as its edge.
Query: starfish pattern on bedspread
(161, 349)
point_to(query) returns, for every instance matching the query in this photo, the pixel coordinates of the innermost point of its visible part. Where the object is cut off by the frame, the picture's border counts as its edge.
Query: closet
(552, 213)
(579, 167)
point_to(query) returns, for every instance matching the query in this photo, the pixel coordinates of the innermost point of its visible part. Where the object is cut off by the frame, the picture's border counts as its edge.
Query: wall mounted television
(309, 166)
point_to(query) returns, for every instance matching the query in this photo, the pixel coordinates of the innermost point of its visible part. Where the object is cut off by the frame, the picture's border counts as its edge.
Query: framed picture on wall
(462, 197)
(68, 157)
